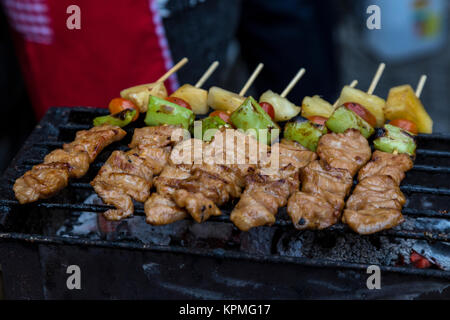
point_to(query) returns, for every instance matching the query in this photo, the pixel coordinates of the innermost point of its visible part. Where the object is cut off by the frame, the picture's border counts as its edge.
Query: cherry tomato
(362, 112)
(318, 120)
(268, 108)
(179, 102)
(119, 104)
(222, 115)
(405, 125)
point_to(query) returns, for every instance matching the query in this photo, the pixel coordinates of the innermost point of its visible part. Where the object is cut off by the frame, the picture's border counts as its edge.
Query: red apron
(120, 44)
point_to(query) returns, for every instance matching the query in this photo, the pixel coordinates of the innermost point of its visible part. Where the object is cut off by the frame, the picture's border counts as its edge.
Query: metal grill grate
(427, 187)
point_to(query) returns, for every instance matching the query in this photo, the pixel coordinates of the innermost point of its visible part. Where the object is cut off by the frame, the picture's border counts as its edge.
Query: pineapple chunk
(139, 94)
(196, 97)
(402, 103)
(284, 109)
(371, 102)
(316, 106)
(220, 99)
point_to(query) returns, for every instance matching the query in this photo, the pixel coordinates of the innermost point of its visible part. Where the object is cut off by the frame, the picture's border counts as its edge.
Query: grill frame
(60, 120)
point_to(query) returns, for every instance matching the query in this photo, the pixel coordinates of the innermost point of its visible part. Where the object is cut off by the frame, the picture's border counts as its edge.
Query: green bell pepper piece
(161, 111)
(249, 116)
(395, 139)
(119, 119)
(305, 132)
(343, 119)
(210, 125)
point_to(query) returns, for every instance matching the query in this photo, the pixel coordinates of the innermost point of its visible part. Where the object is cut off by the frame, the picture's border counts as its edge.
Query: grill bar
(406, 188)
(424, 168)
(139, 211)
(223, 254)
(435, 153)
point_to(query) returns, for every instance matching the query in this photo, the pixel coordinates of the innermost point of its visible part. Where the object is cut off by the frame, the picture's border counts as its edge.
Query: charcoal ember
(437, 253)
(347, 247)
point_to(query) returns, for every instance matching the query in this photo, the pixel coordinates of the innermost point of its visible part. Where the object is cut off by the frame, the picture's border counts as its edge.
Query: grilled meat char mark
(72, 161)
(214, 180)
(128, 175)
(326, 182)
(377, 201)
(160, 208)
(265, 193)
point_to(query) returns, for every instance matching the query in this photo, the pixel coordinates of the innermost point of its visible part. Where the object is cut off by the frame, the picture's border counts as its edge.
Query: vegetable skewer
(403, 103)
(352, 114)
(224, 100)
(397, 136)
(221, 118)
(139, 94)
(260, 118)
(278, 106)
(181, 106)
(308, 132)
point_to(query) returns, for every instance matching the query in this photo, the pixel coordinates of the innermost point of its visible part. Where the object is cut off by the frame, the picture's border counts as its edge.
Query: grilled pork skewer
(212, 183)
(72, 161)
(377, 201)
(326, 182)
(198, 187)
(128, 175)
(266, 193)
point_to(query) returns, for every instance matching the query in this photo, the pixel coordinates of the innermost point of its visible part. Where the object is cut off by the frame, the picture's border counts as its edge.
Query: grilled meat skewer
(72, 161)
(128, 175)
(199, 185)
(265, 193)
(215, 180)
(326, 182)
(377, 201)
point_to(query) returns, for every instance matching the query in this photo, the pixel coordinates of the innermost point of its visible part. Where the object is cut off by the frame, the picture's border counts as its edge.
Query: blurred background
(329, 38)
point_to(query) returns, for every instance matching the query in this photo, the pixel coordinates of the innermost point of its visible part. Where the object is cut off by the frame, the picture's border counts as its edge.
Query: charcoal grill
(130, 259)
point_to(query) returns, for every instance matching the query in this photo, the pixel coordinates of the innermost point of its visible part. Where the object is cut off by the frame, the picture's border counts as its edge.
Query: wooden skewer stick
(207, 74)
(174, 69)
(420, 86)
(376, 78)
(353, 84)
(251, 79)
(293, 82)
